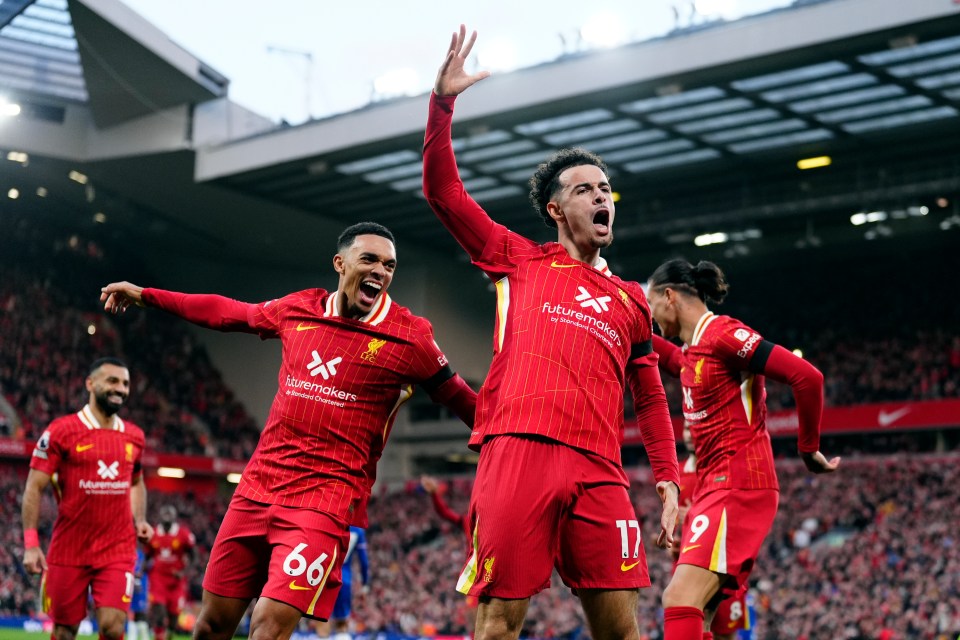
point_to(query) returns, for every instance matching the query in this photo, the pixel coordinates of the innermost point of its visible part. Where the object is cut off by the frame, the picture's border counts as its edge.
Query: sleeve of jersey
(206, 310)
(488, 244)
(807, 384)
(47, 459)
(442, 186)
(442, 384)
(138, 462)
(653, 417)
(670, 355)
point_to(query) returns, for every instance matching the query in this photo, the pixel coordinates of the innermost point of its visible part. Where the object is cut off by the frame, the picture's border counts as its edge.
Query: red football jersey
(92, 471)
(688, 482)
(565, 330)
(724, 404)
(341, 383)
(168, 550)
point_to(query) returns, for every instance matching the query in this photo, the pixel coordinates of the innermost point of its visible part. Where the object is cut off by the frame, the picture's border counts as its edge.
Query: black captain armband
(760, 356)
(433, 383)
(640, 349)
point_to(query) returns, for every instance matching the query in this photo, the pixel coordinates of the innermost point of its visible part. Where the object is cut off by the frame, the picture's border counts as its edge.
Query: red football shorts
(168, 591)
(64, 590)
(732, 615)
(724, 529)
(286, 554)
(539, 504)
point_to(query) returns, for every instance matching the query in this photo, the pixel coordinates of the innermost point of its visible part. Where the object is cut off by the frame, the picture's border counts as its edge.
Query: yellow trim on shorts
(469, 574)
(316, 596)
(718, 558)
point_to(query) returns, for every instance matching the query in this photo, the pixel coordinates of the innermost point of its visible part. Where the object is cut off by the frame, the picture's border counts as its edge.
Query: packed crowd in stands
(869, 553)
(855, 555)
(52, 327)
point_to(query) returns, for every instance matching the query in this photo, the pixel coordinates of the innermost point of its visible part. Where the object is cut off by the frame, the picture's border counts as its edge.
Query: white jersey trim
(377, 315)
(90, 421)
(701, 327)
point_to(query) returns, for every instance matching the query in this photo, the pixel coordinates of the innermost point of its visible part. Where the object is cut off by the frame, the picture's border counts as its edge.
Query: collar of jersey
(601, 265)
(701, 327)
(375, 317)
(172, 531)
(87, 418)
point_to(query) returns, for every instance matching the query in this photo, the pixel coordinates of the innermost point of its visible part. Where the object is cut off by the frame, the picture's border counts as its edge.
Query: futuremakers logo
(326, 369)
(108, 472)
(597, 304)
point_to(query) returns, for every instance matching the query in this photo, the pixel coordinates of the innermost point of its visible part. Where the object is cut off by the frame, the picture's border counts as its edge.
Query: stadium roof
(702, 129)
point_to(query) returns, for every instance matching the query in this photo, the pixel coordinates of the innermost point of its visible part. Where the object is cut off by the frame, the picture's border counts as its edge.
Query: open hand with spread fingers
(453, 79)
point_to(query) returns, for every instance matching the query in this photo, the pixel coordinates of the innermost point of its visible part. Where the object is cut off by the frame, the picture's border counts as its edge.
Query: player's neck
(690, 315)
(103, 420)
(590, 255)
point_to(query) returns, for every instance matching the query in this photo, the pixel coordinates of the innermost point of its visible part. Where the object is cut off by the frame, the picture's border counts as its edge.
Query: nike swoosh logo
(83, 447)
(557, 265)
(626, 567)
(689, 547)
(307, 327)
(886, 419)
(296, 587)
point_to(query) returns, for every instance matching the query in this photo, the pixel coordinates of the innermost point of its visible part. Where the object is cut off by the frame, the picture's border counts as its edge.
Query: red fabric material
(653, 418)
(456, 395)
(95, 469)
(207, 310)
(564, 332)
(682, 623)
(671, 356)
(340, 384)
(807, 384)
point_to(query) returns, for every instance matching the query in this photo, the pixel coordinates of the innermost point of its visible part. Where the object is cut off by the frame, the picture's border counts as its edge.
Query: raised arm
(207, 310)
(442, 186)
(653, 419)
(807, 384)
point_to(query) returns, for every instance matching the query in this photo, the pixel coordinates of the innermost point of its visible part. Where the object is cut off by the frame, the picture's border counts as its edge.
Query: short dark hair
(361, 229)
(545, 182)
(706, 280)
(99, 362)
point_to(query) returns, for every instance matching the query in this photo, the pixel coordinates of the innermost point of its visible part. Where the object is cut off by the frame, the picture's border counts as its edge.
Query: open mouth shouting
(369, 290)
(601, 221)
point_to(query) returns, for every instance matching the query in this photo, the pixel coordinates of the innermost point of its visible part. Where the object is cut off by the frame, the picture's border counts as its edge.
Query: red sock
(707, 635)
(682, 623)
(160, 633)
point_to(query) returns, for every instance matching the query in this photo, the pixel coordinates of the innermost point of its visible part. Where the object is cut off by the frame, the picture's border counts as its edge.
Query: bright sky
(263, 47)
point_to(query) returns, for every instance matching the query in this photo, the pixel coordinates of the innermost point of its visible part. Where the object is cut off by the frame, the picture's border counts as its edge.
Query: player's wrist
(31, 539)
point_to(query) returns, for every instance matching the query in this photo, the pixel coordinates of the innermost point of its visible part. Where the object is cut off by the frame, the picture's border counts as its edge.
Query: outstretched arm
(206, 310)
(442, 186)
(807, 384)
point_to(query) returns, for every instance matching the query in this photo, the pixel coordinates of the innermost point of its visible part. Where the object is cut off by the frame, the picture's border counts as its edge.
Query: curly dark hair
(545, 182)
